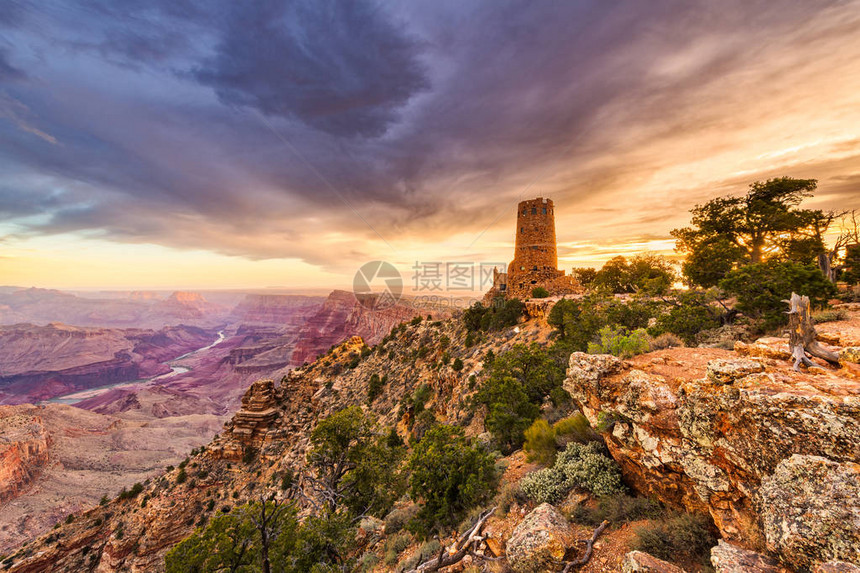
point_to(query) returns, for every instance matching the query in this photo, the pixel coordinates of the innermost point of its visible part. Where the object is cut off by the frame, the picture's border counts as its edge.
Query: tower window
(522, 229)
(534, 210)
(544, 210)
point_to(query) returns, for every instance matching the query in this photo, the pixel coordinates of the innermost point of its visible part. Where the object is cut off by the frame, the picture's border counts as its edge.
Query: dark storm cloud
(256, 128)
(340, 67)
(8, 72)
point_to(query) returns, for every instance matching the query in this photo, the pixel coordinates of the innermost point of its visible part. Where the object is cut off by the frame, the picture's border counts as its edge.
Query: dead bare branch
(589, 548)
(462, 548)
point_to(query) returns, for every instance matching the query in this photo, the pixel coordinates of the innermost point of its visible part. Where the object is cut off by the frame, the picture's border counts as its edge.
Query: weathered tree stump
(801, 334)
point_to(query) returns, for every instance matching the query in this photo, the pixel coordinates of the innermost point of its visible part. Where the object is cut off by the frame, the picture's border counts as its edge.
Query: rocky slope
(342, 316)
(769, 453)
(274, 422)
(23, 453)
(56, 459)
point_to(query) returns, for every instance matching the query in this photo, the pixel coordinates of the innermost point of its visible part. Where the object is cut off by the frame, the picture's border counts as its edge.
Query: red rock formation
(341, 317)
(23, 451)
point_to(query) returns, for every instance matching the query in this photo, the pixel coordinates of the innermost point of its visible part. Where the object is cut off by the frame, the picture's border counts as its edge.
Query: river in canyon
(75, 397)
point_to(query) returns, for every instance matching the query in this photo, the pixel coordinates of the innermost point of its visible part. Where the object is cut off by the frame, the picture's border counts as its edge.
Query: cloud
(17, 112)
(8, 72)
(303, 129)
(340, 67)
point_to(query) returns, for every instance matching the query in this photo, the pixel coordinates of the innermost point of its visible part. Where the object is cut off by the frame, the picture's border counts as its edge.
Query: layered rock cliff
(23, 451)
(342, 316)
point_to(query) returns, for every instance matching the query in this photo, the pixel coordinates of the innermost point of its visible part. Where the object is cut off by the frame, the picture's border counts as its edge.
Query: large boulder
(810, 510)
(639, 562)
(701, 428)
(539, 542)
(728, 558)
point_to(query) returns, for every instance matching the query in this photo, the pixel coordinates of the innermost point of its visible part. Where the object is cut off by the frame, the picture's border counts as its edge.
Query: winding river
(75, 397)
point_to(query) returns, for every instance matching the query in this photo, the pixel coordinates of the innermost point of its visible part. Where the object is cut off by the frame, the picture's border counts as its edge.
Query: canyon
(725, 433)
(117, 405)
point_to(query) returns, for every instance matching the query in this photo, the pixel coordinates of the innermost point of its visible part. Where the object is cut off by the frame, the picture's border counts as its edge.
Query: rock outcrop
(540, 541)
(728, 558)
(639, 562)
(342, 316)
(255, 417)
(23, 451)
(810, 510)
(701, 429)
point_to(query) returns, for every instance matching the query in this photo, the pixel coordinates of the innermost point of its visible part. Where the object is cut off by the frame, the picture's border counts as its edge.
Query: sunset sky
(224, 144)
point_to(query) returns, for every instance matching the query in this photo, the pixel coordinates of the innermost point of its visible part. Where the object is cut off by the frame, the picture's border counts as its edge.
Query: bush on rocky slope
(449, 476)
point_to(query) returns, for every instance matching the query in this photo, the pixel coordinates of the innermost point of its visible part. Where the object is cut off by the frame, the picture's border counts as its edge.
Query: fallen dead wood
(589, 548)
(465, 546)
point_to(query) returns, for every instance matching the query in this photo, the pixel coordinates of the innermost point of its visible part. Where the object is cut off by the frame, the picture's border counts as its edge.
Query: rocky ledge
(770, 453)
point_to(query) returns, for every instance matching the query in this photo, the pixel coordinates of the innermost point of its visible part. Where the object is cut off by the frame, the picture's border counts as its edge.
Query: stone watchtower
(535, 252)
(535, 261)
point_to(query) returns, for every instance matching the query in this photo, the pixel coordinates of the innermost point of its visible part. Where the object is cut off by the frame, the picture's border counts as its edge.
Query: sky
(221, 144)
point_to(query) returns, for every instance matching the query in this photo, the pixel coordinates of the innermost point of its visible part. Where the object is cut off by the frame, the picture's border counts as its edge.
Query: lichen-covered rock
(728, 371)
(699, 428)
(767, 347)
(810, 510)
(540, 541)
(850, 354)
(639, 562)
(728, 558)
(586, 370)
(836, 567)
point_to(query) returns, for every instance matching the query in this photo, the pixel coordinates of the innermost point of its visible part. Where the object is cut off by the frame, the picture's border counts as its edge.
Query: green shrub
(584, 466)
(761, 288)
(500, 314)
(509, 494)
(368, 562)
(676, 536)
(540, 292)
(449, 476)
(374, 387)
(518, 383)
(457, 364)
(617, 509)
(540, 442)
(575, 428)
(420, 397)
(416, 320)
(181, 476)
(829, 315)
(647, 273)
(548, 485)
(619, 342)
(399, 542)
(666, 340)
(398, 518)
(691, 315)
